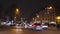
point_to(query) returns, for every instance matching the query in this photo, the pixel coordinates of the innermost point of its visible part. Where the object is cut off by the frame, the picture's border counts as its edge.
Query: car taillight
(34, 26)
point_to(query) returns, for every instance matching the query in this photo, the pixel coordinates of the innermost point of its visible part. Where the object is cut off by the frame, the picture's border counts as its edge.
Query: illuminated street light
(50, 7)
(17, 11)
(58, 17)
(37, 16)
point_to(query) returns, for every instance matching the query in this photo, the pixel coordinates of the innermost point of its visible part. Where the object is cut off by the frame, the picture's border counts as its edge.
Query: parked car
(52, 24)
(37, 26)
(45, 26)
(28, 25)
(58, 25)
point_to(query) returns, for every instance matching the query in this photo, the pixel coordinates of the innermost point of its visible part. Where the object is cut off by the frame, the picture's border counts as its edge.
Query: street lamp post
(17, 12)
(48, 14)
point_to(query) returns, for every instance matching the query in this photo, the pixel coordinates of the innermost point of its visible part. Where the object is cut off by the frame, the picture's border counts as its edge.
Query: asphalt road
(27, 31)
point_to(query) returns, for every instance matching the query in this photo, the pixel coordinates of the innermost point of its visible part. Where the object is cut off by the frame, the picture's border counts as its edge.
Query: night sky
(27, 7)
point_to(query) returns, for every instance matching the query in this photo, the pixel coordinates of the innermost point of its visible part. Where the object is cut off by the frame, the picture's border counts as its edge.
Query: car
(28, 26)
(58, 25)
(52, 24)
(37, 26)
(3, 23)
(45, 26)
(8, 24)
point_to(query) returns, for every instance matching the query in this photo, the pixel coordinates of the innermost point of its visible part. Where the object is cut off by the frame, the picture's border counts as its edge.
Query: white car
(28, 25)
(45, 26)
(52, 24)
(3, 23)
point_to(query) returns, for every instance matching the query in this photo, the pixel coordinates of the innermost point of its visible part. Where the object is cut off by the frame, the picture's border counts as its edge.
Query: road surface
(27, 31)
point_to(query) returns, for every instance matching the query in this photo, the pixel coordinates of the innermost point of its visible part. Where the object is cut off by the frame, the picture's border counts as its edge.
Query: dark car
(58, 25)
(52, 24)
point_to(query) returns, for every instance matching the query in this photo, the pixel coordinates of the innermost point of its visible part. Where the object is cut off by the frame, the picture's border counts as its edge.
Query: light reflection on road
(18, 30)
